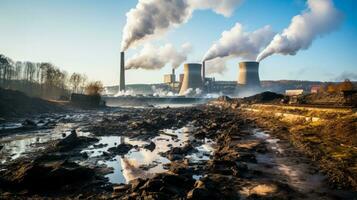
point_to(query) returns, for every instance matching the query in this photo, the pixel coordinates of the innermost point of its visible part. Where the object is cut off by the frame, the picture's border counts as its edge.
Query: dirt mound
(14, 103)
(38, 177)
(265, 97)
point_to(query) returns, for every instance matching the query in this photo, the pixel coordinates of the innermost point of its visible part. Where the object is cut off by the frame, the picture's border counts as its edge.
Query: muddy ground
(199, 152)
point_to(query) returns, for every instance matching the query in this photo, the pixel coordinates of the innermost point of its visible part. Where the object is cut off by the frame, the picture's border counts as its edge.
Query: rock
(1, 146)
(29, 123)
(72, 141)
(150, 146)
(121, 149)
(199, 194)
(100, 145)
(120, 188)
(178, 153)
(153, 185)
(200, 135)
(136, 184)
(44, 177)
(179, 167)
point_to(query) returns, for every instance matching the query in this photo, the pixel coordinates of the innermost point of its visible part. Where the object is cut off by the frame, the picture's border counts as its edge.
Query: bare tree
(94, 88)
(75, 80)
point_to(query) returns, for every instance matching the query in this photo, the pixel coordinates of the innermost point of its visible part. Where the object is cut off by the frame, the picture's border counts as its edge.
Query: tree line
(346, 85)
(42, 79)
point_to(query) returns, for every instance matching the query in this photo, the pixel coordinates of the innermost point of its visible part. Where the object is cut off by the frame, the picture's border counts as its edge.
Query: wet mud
(200, 152)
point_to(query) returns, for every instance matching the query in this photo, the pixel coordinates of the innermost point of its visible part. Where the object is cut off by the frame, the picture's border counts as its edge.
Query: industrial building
(194, 77)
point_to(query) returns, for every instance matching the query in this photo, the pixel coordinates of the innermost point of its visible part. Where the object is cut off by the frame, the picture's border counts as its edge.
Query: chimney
(122, 72)
(173, 79)
(204, 72)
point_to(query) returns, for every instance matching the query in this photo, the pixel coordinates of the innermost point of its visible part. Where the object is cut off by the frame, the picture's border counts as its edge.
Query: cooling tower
(249, 75)
(122, 72)
(192, 77)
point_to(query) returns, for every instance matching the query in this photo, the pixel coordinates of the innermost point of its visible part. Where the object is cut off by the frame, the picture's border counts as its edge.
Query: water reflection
(143, 163)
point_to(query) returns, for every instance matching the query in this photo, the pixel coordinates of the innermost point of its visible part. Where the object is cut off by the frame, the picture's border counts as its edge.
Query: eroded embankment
(326, 135)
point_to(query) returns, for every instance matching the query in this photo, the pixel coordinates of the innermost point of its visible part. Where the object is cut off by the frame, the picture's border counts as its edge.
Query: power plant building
(169, 78)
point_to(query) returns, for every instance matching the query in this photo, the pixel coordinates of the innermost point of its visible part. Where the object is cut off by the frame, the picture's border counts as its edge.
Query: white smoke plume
(216, 66)
(152, 57)
(193, 92)
(320, 19)
(160, 92)
(223, 7)
(240, 44)
(151, 18)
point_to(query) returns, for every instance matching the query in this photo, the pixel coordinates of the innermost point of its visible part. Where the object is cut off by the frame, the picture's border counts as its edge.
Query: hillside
(14, 103)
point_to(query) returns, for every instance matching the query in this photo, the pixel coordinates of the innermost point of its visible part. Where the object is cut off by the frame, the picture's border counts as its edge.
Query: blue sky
(85, 35)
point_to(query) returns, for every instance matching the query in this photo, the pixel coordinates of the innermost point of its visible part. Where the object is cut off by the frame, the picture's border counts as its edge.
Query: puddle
(287, 167)
(142, 163)
(138, 162)
(26, 142)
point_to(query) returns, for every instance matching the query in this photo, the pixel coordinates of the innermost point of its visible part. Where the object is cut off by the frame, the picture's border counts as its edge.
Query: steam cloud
(152, 57)
(154, 17)
(320, 19)
(223, 7)
(217, 65)
(237, 43)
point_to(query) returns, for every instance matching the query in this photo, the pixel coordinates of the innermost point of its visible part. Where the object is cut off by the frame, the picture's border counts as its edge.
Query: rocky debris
(215, 186)
(180, 167)
(151, 147)
(144, 123)
(162, 186)
(265, 97)
(225, 176)
(29, 123)
(38, 177)
(227, 167)
(121, 188)
(100, 145)
(72, 141)
(178, 153)
(121, 149)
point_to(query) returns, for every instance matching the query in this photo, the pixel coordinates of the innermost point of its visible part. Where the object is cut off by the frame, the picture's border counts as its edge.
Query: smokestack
(192, 77)
(249, 75)
(122, 72)
(173, 79)
(204, 72)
